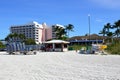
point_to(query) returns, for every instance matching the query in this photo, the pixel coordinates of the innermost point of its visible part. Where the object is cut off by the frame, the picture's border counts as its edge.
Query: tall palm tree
(22, 37)
(117, 26)
(110, 36)
(106, 30)
(15, 37)
(59, 32)
(103, 31)
(69, 28)
(108, 27)
(9, 37)
(117, 32)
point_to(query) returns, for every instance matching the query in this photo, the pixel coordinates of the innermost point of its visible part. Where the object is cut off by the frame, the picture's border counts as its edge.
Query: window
(65, 45)
(58, 46)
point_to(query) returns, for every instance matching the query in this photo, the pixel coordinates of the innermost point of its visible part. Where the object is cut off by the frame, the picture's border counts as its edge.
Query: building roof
(92, 37)
(36, 24)
(59, 25)
(30, 23)
(86, 41)
(57, 41)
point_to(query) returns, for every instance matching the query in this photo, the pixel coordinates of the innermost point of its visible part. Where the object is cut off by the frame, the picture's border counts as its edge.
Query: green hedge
(2, 45)
(114, 48)
(78, 47)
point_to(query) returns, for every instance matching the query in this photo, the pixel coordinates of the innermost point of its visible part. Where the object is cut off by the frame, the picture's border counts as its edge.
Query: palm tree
(9, 37)
(59, 32)
(108, 27)
(117, 32)
(103, 31)
(110, 36)
(117, 26)
(69, 27)
(15, 37)
(30, 42)
(22, 37)
(106, 30)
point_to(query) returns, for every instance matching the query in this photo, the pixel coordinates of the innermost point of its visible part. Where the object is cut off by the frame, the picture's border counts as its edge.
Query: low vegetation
(30, 42)
(78, 47)
(114, 48)
(74, 47)
(2, 46)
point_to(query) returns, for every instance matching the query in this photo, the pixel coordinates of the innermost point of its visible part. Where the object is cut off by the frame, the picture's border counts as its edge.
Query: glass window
(58, 46)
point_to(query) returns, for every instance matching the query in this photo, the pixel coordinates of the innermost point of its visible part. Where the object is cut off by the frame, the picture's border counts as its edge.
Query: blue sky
(15, 12)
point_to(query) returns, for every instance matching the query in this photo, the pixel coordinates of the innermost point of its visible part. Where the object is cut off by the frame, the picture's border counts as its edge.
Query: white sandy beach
(59, 66)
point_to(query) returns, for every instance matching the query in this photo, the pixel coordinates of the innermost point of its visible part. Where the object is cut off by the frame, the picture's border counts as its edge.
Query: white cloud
(107, 3)
(99, 20)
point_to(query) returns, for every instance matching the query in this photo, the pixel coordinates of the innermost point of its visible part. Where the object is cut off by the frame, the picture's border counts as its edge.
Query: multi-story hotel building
(53, 30)
(31, 30)
(39, 32)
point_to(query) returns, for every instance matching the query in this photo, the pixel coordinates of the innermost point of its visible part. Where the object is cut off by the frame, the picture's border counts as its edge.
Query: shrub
(76, 47)
(2, 45)
(114, 48)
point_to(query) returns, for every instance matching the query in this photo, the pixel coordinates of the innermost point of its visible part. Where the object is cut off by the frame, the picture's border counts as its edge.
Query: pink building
(49, 32)
(46, 33)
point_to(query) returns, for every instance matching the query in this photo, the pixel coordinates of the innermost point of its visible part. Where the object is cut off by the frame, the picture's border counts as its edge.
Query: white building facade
(31, 30)
(39, 32)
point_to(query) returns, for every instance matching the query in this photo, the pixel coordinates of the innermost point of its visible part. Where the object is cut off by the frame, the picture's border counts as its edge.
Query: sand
(59, 66)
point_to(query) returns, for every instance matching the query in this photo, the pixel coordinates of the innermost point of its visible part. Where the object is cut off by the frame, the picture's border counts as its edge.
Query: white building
(39, 32)
(31, 30)
(53, 30)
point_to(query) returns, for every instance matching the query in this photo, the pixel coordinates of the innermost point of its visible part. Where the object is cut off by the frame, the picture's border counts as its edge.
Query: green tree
(117, 33)
(110, 36)
(108, 27)
(103, 31)
(59, 32)
(30, 42)
(22, 37)
(19, 37)
(9, 37)
(15, 37)
(117, 27)
(69, 28)
(114, 47)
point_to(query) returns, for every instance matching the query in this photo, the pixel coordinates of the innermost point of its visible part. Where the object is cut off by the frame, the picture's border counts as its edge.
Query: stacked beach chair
(19, 48)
